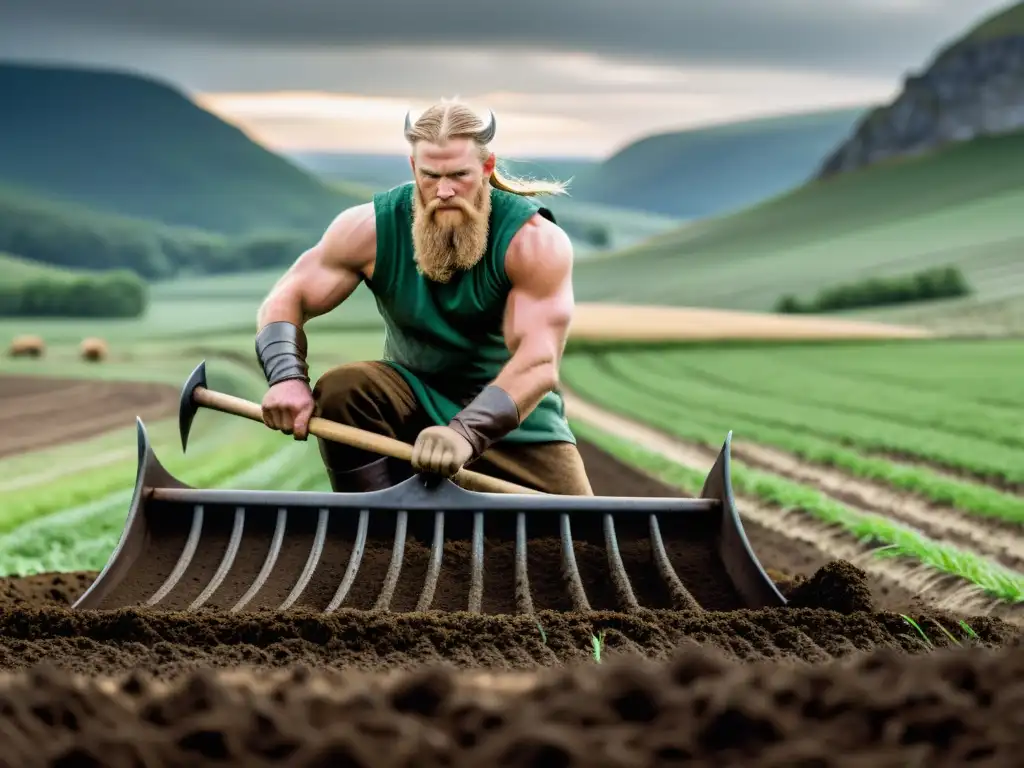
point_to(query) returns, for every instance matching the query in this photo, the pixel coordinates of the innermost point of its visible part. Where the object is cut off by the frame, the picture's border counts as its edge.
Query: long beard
(447, 241)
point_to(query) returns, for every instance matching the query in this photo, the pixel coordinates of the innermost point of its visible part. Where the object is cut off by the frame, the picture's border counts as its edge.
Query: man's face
(452, 206)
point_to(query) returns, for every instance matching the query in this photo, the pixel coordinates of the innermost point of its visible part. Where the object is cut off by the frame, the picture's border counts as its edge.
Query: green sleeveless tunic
(446, 339)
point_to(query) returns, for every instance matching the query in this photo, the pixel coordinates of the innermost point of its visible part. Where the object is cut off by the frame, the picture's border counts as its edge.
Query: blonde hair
(450, 119)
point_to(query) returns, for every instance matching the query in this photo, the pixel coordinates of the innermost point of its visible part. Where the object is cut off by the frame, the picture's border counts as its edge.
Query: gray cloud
(863, 37)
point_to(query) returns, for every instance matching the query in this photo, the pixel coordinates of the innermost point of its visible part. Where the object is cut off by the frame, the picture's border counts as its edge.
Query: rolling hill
(71, 235)
(711, 171)
(957, 207)
(140, 148)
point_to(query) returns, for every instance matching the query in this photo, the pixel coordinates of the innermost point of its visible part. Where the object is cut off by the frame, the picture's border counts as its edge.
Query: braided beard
(446, 241)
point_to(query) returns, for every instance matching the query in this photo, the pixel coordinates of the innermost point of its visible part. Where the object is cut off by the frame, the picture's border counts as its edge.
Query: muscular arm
(538, 312)
(327, 274)
(319, 280)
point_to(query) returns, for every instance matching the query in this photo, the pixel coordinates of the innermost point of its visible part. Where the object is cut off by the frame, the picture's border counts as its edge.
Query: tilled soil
(729, 687)
(65, 410)
(950, 708)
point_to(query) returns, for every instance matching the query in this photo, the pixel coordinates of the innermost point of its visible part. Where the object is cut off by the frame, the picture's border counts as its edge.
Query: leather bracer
(281, 350)
(489, 417)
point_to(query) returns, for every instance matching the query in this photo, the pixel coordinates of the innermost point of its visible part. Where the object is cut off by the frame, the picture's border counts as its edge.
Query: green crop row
(872, 530)
(983, 459)
(970, 371)
(82, 538)
(779, 379)
(205, 464)
(709, 427)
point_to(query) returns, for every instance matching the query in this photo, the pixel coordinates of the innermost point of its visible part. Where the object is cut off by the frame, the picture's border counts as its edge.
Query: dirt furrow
(1000, 541)
(78, 410)
(941, 590)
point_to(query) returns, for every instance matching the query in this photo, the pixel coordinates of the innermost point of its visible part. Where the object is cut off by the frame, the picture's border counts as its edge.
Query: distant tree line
(66, 235)
(926, 285)
(115, 294)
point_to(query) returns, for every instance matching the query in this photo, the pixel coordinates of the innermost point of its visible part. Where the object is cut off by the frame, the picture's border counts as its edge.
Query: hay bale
(94, 350)
(27, 346)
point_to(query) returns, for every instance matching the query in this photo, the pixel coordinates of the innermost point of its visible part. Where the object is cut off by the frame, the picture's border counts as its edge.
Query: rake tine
(524, 600)
(570, 571)
(226, 562)
(395, 567)
(268, 563)
(620, 579)
(354, 561)
(189, 551)
(476, 582)
(682, 600)
(434, 568)
(311, 562)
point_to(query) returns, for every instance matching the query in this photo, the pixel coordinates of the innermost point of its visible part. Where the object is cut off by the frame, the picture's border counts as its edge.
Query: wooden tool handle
(354, 437)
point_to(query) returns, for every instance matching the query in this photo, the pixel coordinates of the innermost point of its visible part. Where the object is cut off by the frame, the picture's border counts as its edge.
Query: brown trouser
(374, 396)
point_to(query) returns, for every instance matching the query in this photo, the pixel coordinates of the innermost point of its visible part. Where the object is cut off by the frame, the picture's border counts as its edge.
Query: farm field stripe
(69, 474)
(82, 538)
(69, 468)
(944, 560)
(887, 365)
(676, 464)
(937, 487)
(1003, 543)
(209, 464)
(1005, 509)
(986, 461)
(898, 404)
(1004, 546)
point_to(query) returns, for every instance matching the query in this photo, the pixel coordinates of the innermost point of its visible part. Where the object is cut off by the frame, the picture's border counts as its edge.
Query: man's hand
(288, 406)
(441, 451)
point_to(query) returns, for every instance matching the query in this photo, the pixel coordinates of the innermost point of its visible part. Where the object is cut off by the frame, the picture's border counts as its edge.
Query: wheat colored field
(604, 322)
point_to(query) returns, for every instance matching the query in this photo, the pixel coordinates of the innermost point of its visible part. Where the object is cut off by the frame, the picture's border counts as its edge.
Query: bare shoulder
(351, 238)
(539, 251)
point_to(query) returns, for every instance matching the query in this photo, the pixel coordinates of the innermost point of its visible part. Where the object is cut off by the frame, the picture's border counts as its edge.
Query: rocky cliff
(974, 89)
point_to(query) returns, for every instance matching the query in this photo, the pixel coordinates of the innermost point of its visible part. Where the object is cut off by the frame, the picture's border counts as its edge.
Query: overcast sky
(563, 76)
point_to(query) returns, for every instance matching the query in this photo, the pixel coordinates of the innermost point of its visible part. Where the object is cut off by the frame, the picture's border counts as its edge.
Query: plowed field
(718, 688)
(37, 412)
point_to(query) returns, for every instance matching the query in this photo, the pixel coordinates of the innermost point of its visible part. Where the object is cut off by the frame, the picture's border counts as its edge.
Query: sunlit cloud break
(574, 124)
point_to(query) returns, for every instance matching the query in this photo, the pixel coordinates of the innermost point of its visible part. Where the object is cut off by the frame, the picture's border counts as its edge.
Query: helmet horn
(487, 134)
(408, 124)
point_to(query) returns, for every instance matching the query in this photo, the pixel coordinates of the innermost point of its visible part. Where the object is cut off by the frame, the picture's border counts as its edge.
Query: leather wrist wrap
(489, 417)
(281, 350)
